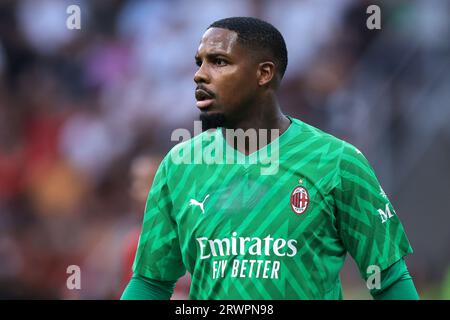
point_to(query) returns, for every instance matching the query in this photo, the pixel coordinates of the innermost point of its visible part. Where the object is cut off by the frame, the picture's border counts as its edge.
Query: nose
(201, 76)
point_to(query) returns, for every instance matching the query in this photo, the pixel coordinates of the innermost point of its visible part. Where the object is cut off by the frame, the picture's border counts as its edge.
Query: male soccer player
(245, 233)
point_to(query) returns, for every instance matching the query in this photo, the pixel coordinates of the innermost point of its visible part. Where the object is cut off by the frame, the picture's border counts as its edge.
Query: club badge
(299, 200)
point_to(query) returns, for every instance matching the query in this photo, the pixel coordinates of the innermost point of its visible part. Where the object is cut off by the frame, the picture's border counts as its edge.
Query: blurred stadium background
(86, 115)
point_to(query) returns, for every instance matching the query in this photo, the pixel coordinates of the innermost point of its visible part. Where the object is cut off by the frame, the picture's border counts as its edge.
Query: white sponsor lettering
(385, 215)
(244, 245)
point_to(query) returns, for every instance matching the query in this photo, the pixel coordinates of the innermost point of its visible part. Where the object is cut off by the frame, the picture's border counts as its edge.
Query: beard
(212, 120)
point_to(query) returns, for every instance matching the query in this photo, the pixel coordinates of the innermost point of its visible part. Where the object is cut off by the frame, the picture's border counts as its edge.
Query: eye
(220, 62)
(198, 62)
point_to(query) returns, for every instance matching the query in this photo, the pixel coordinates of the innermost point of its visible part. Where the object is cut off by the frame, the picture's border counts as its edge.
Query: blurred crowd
(86, 116)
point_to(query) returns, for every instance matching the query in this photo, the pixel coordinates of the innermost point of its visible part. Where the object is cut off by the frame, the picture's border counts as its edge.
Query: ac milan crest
(299, 200)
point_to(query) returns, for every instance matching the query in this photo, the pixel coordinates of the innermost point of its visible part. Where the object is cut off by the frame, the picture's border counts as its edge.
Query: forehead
(218, 40)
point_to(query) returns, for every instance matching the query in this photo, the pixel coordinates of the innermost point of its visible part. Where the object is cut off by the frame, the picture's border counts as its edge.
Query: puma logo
(194, 202)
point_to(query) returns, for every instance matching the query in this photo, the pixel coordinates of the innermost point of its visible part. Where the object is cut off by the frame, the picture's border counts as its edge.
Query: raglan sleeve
(367, 223)
(158, 255)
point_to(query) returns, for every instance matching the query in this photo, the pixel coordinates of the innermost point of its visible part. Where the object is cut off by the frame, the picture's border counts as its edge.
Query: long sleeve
(396, 284)
(143, 288)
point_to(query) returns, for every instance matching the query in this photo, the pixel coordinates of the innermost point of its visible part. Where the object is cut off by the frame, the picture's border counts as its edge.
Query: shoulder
(343, 151)
(318, 137)
(309, 132)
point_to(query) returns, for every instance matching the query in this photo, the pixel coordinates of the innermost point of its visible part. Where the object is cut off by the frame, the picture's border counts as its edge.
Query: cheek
(236, 87)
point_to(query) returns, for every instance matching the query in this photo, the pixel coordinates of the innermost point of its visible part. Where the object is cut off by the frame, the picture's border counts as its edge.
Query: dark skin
(237, 82)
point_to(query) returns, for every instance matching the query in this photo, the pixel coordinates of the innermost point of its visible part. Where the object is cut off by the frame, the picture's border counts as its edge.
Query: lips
(204, 98)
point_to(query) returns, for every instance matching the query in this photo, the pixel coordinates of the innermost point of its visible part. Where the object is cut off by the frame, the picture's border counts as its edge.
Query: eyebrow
(213, 54)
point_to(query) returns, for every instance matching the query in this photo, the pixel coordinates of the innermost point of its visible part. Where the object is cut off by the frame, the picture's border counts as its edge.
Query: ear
(265, 73)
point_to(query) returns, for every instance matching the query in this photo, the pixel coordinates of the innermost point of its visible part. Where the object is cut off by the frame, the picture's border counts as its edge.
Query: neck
(263, 115)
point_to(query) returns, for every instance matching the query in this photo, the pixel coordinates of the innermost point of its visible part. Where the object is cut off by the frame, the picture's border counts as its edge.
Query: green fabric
(396, 284)
(276, 224)
(142, 288)
(401, 290)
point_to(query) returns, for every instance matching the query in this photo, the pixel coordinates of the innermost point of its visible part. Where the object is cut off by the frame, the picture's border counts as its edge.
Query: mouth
(204, 98)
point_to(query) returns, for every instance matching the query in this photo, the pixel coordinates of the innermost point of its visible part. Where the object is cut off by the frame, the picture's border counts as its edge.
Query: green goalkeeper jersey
(245, 233)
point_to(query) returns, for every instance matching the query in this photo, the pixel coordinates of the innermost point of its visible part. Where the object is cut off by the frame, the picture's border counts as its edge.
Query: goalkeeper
(272, 223)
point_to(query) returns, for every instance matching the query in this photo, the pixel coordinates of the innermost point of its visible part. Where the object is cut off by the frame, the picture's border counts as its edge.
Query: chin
(212, 119)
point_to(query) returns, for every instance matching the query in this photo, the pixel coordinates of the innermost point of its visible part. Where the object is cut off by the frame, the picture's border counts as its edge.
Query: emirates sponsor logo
(246, 246)
(254, 246)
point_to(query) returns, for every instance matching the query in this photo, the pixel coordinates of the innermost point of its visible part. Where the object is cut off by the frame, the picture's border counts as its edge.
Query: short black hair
(258, 35)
